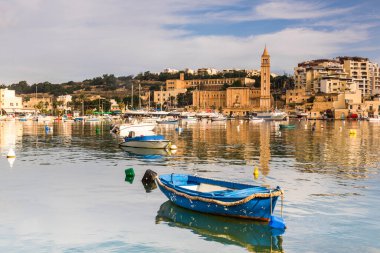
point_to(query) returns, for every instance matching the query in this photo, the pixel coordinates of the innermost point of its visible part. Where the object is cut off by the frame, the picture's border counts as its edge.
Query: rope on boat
(276, 193)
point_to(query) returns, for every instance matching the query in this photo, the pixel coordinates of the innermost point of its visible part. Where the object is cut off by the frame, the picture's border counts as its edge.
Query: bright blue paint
(258, 208)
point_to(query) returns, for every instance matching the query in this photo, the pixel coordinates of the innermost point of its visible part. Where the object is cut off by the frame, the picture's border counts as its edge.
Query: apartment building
(364, 72)
(9, 102)
(308, 75)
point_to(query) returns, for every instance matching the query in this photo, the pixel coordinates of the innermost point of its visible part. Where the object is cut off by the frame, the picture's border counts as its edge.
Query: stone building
(265, 96)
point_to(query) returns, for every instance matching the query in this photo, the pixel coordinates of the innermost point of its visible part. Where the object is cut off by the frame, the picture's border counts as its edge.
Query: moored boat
(219, 117)
(287, 126)
(274, 116)
(151, 141)
(167, 121)
(374, 119)
(255, 119)
(137, 128)
(220, 197)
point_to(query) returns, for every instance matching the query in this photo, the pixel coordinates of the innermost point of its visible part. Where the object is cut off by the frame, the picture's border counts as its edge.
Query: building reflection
(10, 135)
(264, 148)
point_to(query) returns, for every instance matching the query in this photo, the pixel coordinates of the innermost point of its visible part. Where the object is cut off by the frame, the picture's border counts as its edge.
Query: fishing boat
(253, 235)
(150, 141)
(221, 197)
(287, 126)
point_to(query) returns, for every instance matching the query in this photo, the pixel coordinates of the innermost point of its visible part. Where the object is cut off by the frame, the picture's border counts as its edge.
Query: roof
(265, 53)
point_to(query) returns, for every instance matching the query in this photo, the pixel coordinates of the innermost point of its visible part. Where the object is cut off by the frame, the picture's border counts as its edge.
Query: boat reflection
(146, 153)
(252, 235)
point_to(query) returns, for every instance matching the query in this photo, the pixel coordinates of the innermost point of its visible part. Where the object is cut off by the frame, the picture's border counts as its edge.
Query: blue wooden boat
(220, 197)
(254, 235)
(149, 141)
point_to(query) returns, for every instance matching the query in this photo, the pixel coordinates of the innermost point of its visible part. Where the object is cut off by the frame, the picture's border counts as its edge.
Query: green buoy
(129, 175)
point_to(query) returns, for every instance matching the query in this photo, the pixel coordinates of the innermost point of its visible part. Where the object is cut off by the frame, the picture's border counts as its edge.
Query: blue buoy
(277, 222)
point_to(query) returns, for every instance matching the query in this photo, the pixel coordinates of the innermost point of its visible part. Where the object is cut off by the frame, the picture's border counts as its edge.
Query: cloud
(296, 10)
(280, 10)
(66, 40)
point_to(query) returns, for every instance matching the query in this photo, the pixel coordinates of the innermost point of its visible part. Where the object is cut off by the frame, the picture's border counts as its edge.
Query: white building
(171, 71)
(207, 71)
(9, 103)
(65, 100)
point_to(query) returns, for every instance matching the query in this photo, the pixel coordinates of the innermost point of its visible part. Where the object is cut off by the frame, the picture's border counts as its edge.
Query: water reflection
(145, 153)
(254, 236)
(330, 149)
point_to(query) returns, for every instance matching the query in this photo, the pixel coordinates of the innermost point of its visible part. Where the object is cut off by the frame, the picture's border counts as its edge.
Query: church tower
(265, 98)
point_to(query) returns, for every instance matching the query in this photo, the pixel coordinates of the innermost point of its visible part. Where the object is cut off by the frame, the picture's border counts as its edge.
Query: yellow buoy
(256, 172)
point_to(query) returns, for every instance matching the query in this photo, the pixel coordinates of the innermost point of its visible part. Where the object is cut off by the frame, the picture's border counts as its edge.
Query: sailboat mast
(139, 96)
(132, 98)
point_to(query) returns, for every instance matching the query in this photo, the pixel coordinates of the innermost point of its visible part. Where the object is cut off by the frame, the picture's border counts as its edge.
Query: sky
(72, 40)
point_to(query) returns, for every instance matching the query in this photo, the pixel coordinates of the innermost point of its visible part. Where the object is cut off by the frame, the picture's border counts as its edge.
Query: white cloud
(72, 40)
(290, 9)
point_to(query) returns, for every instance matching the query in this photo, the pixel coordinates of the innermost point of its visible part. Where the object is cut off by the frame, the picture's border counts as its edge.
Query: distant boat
(151, 142)
(255, 119)
(287, 126)
(219, 197)
(219, 117)
(202, 115)
(274, 116)
(167, 121)
(374, 119)
(253, 235)
(188, 117)
(93, 119)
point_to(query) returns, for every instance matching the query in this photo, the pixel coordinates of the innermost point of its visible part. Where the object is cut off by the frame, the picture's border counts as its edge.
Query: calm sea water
(65, 191)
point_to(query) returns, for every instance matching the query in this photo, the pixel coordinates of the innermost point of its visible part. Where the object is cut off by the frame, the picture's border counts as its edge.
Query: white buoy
(11, 153)
(11, 161)
(305, 126)
(173, 147)
(238, 128)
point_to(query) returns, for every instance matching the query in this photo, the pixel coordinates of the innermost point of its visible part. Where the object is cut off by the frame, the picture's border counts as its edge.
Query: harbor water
(66, 190)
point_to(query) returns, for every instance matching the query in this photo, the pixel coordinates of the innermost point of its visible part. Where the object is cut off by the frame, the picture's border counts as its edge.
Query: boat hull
(146, 144)
(287, 126)
(255, 209)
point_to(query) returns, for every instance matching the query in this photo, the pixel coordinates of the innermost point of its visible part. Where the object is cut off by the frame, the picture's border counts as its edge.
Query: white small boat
(275, 116)
(152, 141)
(167, 121)
(206, 115)
(138, 128)
(255, 119)
(219, 118)
(93, 119)
(374, 119)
